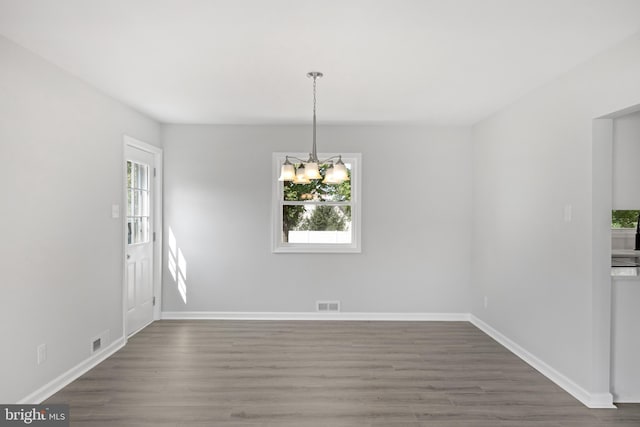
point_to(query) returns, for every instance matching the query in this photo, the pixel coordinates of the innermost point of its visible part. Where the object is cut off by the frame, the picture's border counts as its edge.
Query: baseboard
(72, 374)
(222, 315)
(590, 400)
(626, 398)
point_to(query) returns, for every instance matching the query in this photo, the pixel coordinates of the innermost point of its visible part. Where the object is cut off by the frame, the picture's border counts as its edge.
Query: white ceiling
(244, 61)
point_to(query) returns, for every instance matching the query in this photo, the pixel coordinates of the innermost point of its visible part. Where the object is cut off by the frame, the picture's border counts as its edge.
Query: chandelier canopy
(303, 172)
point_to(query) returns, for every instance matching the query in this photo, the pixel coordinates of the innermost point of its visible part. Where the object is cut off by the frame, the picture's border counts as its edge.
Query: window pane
(144, 232)
(316, 224)
(144, 203)
(134, 175)
(317, 191)
(137, 230)
(137, 175)
(140, 203)
(136, 203)
(624, 219)
(143, 177)
(130, 203)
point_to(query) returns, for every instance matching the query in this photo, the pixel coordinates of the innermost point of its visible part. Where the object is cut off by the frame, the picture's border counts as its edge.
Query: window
(624, 219)
(137, 203)
(623, 229)
(317, 217)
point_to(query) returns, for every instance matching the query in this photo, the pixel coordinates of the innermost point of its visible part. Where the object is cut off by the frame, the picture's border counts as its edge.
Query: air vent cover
(99, 341)
(328, 306)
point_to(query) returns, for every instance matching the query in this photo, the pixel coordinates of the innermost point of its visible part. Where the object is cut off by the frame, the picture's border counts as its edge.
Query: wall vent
(99, 341)
(328, 306)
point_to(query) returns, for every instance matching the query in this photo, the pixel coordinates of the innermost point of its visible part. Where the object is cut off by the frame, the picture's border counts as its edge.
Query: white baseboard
(72, 374)
(590, 400)
(626, 398)
(235, 315)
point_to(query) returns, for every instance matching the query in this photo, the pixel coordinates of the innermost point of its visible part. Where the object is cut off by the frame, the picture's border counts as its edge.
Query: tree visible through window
(314, 214)
(624, 219)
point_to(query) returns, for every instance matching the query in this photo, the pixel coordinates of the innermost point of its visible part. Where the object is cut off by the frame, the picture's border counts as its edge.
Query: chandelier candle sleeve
(336, 173)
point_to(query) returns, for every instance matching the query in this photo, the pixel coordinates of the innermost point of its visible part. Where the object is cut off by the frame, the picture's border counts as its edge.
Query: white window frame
(355, 159)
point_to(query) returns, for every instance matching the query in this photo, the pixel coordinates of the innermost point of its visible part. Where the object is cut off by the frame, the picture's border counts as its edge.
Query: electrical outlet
(42, 353)
(486, 302)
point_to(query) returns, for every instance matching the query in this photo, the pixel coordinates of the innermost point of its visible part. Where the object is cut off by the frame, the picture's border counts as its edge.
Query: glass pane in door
(137, 203)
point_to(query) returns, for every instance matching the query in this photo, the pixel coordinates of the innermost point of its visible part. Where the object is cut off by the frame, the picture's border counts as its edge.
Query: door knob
(128, 256)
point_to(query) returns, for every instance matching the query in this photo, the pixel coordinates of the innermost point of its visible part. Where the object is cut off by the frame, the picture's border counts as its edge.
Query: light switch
(568, 213)
(115, 211)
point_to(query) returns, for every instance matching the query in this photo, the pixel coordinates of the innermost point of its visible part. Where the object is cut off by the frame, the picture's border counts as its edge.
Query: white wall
(60, 252)
(415, 222)
(626, 162)
(546, 281)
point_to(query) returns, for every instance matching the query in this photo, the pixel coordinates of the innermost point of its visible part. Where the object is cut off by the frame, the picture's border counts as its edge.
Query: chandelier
(305, 171)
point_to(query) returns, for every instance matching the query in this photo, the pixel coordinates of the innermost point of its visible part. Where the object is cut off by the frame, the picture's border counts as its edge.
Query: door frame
(129, 141)
(602, 204)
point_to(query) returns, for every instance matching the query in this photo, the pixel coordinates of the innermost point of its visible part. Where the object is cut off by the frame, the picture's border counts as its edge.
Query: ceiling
(444, 62)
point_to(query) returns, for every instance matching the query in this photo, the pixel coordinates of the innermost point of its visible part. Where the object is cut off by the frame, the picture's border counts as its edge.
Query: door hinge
(154, 236)
(154, 172)
(154, 301)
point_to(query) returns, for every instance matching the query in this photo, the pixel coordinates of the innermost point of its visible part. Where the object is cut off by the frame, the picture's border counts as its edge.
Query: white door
(139, 235)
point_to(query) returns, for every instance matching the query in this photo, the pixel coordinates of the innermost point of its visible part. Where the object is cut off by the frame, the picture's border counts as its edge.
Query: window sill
(324, 249)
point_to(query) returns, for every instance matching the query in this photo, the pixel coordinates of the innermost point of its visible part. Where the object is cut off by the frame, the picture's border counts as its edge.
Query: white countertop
(625, 272)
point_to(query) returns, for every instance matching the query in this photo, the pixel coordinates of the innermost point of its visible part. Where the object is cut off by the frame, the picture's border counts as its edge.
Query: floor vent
(328, 306)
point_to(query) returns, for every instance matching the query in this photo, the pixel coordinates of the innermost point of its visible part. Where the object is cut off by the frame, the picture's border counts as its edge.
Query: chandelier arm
(330, 158)
(338, 156)
(297, 158)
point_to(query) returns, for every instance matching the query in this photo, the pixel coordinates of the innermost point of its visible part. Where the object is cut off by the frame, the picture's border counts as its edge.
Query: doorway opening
(614, 188)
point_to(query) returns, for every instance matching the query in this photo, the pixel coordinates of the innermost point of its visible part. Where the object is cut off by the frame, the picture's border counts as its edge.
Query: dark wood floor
(310, 373)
